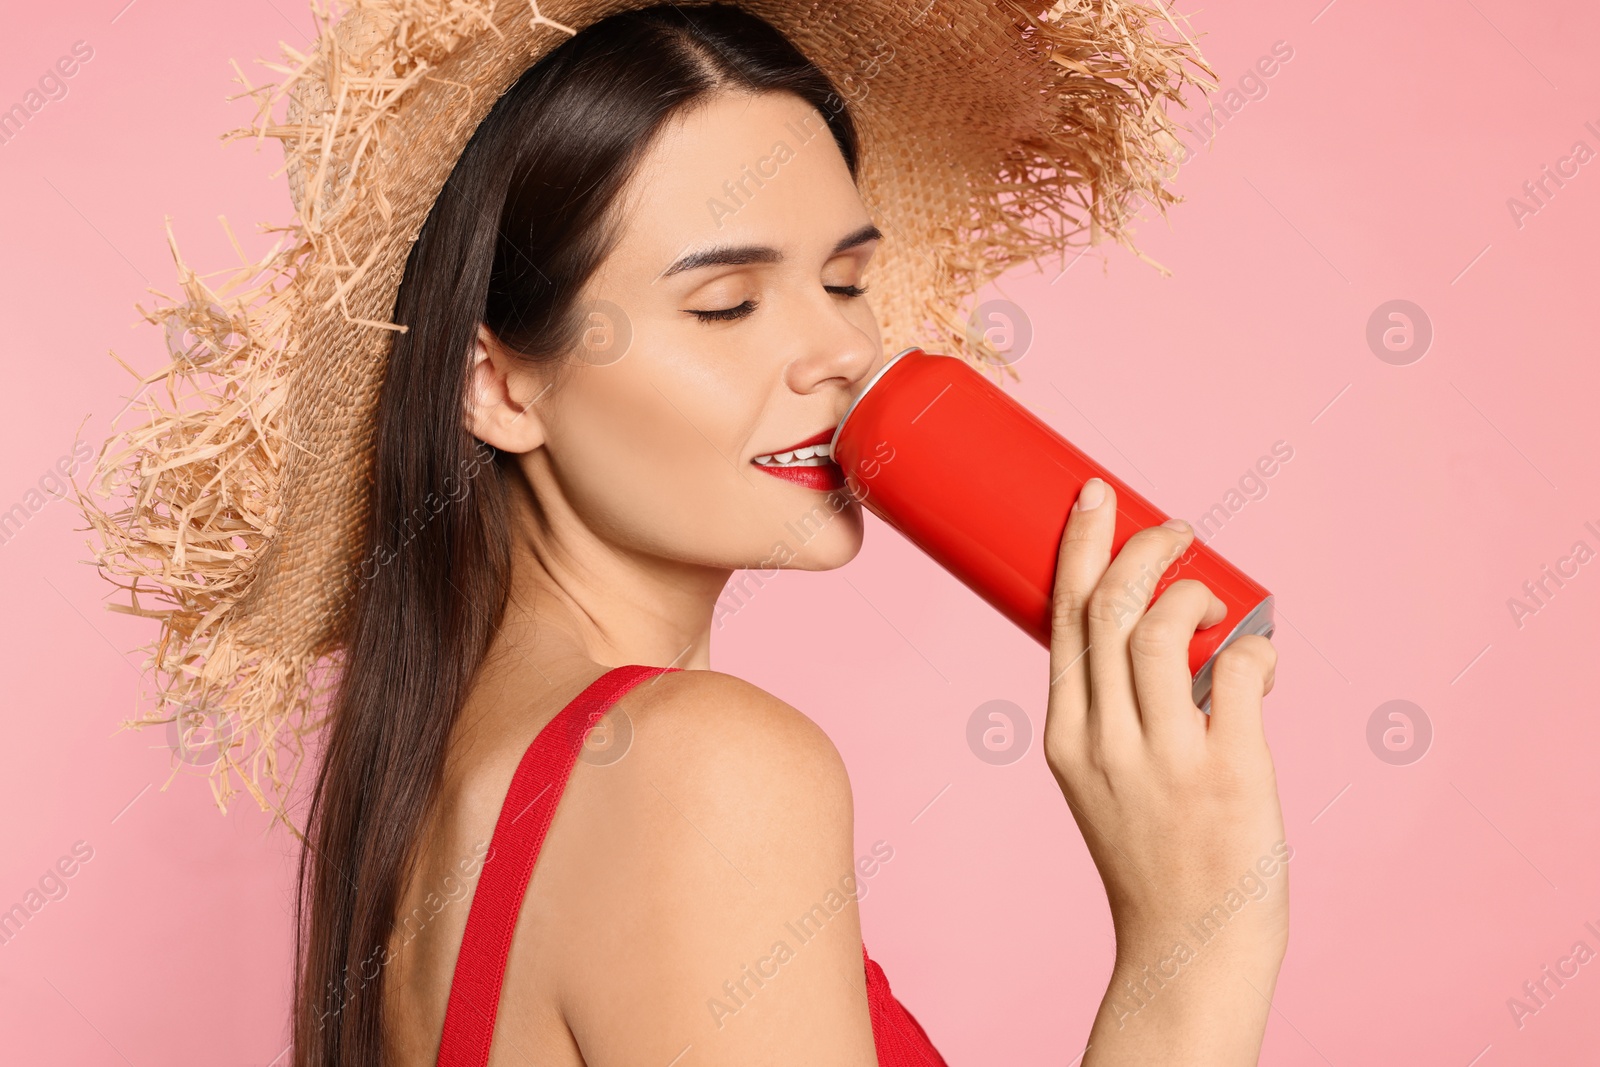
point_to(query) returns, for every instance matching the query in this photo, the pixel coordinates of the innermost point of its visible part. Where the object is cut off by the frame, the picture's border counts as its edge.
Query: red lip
(825, 476)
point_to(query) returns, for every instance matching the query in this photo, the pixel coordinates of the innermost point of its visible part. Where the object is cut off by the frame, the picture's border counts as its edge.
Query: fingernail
(1177, 524)
(1091, 495)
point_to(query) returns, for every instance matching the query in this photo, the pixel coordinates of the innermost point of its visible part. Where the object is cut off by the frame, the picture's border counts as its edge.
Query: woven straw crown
(993, 133)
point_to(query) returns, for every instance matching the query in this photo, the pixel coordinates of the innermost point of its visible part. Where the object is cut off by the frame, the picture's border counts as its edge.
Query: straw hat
(992, 134)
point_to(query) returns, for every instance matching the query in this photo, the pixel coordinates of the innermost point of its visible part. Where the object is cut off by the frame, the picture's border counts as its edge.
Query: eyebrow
(739, 255)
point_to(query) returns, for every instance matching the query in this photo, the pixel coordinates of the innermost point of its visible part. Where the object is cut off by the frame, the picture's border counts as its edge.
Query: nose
(834, 348)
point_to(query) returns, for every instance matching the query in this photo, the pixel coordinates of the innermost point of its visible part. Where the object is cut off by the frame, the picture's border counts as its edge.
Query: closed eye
(740, 311)
(726, 314)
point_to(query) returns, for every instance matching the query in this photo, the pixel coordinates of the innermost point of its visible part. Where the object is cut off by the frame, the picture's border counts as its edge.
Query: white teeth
(810, 456)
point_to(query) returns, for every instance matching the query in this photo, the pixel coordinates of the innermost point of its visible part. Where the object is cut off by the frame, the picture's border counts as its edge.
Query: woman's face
(725, 325)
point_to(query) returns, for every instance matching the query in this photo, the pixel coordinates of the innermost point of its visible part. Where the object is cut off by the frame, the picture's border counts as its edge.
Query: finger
(1084, 554)
(1239, 678)
(1115, 608)
(1159, 650)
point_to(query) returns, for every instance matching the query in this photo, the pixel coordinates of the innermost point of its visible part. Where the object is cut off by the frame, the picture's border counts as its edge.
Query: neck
(576, 595)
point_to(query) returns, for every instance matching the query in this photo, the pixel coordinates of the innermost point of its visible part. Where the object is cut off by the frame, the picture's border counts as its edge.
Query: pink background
(1418, 501)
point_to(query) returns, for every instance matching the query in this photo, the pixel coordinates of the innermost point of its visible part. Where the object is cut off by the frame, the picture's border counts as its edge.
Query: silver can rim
(1259, 620)
(877, 374)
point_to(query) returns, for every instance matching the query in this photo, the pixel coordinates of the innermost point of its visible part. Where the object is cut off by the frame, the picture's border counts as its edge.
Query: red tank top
(525, 817)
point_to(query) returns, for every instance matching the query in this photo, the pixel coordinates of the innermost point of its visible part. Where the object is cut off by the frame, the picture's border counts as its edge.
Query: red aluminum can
(983, 486)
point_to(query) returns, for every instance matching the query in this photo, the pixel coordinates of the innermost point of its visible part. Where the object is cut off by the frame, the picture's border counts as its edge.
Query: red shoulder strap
(525, 817)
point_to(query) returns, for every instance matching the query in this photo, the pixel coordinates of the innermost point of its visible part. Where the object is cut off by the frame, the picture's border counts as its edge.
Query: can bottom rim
(1259, 621)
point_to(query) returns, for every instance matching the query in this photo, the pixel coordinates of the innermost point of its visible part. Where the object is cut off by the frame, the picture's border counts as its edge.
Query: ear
(502, 397)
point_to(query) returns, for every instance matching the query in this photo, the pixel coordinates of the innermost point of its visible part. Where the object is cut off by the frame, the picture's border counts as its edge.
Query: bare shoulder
(722, 732)
(716, 847)
(722, 752)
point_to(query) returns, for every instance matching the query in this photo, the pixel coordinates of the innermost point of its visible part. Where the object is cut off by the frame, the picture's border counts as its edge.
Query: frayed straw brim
(993, 134)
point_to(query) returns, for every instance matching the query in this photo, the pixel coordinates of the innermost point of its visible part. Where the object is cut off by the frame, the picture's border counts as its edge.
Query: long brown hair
(523, 222)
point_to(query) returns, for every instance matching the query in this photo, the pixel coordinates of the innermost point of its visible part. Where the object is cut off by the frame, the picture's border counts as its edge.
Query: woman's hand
(1179, 810)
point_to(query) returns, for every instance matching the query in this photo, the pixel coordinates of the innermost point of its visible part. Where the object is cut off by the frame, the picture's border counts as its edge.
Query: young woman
(620, 368)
